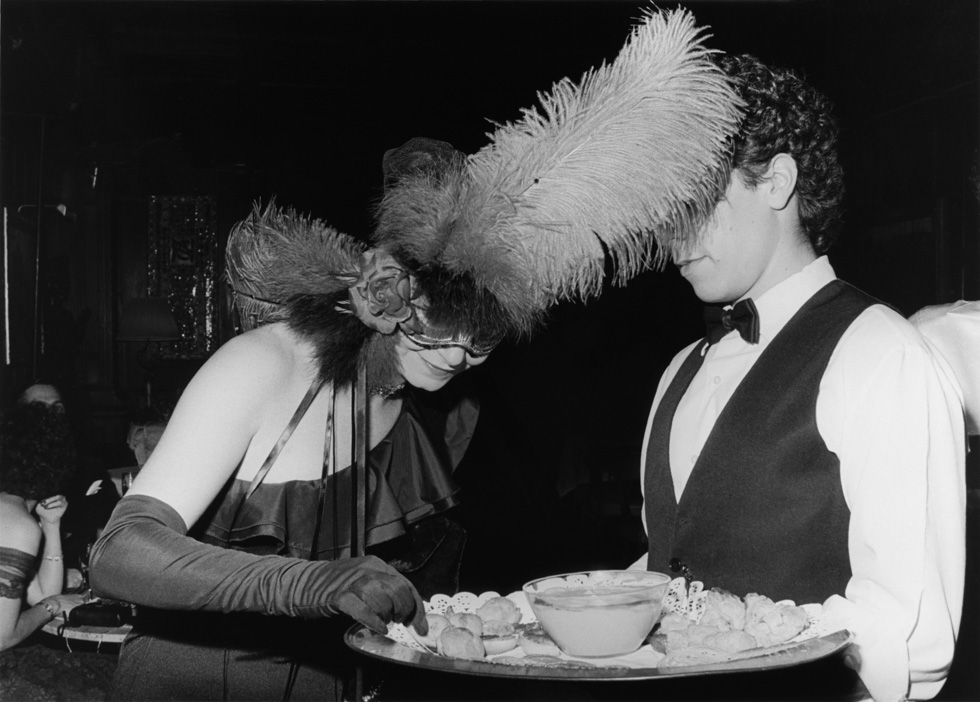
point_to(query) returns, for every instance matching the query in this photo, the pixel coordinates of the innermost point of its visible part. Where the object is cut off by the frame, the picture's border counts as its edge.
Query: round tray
(365, 641)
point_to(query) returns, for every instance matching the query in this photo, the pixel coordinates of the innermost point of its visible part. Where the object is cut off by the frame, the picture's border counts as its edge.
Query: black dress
(214, 656)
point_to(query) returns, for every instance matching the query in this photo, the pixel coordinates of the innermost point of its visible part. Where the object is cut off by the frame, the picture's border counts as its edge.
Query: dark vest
(763, 510)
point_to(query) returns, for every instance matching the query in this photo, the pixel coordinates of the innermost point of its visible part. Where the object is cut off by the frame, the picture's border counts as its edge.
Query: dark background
(105, 104)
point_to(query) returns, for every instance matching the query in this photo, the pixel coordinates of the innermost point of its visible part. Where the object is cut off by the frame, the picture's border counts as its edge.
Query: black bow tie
(743, 316)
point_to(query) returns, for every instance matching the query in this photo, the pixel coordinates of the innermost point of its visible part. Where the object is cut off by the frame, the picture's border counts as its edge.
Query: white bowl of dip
(598, 613)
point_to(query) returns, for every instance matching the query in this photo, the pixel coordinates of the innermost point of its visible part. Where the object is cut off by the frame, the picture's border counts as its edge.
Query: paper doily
(688, 600)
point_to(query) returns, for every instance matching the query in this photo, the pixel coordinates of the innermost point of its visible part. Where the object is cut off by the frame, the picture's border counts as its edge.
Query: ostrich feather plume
(419, 221)
(627, 160)
(605, 175)
(277, 254)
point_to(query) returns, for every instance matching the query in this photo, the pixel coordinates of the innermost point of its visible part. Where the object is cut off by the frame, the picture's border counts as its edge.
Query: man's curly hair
(37, 451)
(784, 114)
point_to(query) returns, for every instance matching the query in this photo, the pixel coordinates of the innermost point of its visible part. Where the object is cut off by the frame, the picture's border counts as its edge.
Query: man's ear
(781, 180)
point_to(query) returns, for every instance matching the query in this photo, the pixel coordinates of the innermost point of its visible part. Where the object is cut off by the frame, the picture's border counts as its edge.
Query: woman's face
(431, 368)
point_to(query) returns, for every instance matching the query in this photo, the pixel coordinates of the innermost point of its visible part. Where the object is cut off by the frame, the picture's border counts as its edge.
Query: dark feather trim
(276, 254)
(341, 340)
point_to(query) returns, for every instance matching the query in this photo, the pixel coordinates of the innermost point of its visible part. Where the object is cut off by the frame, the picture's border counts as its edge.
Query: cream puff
(437, 624)
(466, 620)
(458, 642)
(499, 609)
(498, 637)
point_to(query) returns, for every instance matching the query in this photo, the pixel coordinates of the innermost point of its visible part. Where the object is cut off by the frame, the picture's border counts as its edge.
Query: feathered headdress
(612, 169)
(283, 266)
(609, 173)
(277, 254)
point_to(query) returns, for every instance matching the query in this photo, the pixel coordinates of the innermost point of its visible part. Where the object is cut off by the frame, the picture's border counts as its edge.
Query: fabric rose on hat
(381, 297)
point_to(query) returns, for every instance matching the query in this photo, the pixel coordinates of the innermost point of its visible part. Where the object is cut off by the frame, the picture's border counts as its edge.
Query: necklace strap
(359, 474)
(327, 469)
(284, 437)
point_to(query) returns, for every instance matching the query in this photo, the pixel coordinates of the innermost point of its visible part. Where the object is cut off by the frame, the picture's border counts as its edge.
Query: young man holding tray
(809, 448)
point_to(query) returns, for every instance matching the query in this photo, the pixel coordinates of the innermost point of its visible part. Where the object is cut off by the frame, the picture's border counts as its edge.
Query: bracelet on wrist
(59, 557)
(49, 607)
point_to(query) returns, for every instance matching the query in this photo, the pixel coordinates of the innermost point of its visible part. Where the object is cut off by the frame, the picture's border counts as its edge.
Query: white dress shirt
(895, 422)
(954, 329)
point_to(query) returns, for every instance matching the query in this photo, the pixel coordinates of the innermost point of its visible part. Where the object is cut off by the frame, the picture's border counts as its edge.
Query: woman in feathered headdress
(467, 250)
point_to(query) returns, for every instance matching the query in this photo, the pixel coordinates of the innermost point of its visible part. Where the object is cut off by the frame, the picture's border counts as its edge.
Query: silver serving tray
(365, 641)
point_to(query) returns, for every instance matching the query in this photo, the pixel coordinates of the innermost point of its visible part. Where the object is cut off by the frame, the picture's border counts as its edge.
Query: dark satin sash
(17, 569)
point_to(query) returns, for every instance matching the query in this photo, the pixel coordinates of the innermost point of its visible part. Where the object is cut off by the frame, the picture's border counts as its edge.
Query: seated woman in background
(88, 487)
(234, 517)
(37, 457)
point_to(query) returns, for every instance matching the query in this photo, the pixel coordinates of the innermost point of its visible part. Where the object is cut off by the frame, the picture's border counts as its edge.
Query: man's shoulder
(880, 329)
(850, 294)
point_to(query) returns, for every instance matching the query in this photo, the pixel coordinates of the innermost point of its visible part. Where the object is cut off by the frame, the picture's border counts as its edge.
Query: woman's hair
(37, 451)
(783, 114)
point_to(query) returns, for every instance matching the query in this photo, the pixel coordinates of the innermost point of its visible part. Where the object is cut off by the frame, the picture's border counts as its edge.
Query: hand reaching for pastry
(373, 593)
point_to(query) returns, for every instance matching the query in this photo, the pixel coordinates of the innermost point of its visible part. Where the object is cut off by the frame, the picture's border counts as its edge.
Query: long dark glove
(144, 556)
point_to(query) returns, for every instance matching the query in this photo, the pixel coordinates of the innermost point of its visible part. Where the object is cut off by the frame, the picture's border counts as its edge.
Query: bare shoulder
(226, 408)
(238, 387)
(268, 348)
(18, 529)
(258, 361)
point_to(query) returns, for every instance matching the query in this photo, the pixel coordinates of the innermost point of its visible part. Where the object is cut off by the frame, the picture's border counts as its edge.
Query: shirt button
(694, 459)
(675, 564)
(717, 379)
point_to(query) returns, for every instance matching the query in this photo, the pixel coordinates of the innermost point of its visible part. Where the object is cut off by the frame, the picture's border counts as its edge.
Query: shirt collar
(779, 303)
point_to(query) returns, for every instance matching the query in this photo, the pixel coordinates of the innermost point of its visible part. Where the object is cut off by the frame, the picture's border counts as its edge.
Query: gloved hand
(145, 557)
(372, 592)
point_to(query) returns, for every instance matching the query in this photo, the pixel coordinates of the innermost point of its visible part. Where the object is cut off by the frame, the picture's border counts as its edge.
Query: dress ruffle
(409, 478)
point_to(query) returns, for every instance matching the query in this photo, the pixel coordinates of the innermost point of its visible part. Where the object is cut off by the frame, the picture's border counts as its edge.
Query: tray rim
(364, 641)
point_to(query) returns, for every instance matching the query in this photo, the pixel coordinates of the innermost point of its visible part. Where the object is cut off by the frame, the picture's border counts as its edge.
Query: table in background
(92, 634)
